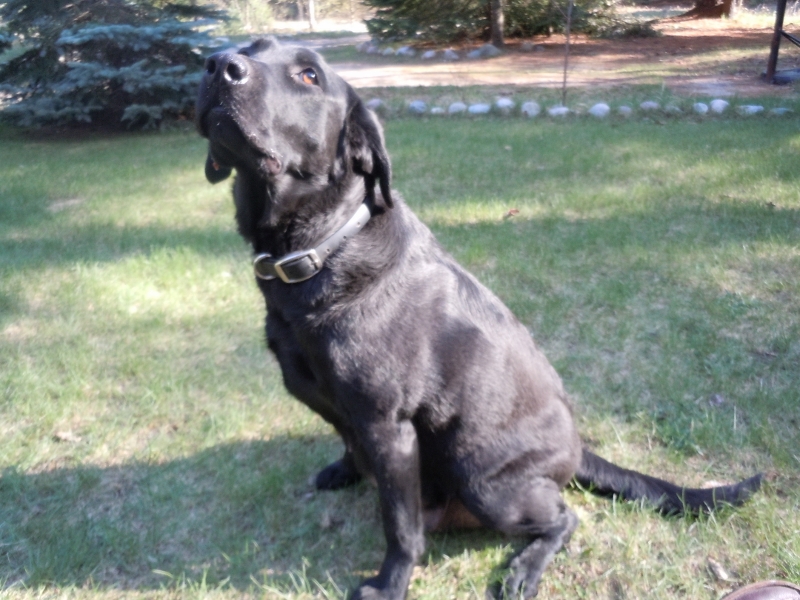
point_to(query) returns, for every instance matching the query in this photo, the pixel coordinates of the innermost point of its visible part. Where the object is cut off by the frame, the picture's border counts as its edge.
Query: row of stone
(506, 106)
(485, 51)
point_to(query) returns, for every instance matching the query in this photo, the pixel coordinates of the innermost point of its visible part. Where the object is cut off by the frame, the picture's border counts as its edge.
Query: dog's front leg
(395, 462)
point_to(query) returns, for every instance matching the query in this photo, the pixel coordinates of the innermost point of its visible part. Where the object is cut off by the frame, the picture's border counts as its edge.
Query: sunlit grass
(149, 448)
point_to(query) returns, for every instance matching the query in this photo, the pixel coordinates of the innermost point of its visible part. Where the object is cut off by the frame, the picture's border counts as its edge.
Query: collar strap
(304, 264)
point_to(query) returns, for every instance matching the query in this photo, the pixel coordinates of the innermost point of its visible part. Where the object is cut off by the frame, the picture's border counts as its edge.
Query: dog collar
(304, 264)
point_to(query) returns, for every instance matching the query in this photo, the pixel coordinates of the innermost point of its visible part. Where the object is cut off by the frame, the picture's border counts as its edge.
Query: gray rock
(530, 109)
(718, 106)
(387, 52)
(786, 77)
(600, 110)
(625, 111)
(526, 47)
(505, 105)
(457, 108)
(780, 111)
(374, 104)
(750, 109)
(429, 54)
(417, 107)
(649, 105)
(406, 51)
(437, 110)
(700, 108)
(558, 111)
(673, 109)
(479, 109)
(485, 51)
(490, 51)
(450, 54)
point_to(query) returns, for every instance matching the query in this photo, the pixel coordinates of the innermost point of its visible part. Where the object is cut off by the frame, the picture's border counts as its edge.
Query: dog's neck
(279, 223)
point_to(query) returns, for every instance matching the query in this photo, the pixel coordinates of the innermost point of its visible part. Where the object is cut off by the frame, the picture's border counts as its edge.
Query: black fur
(438, 392)
(607, 479)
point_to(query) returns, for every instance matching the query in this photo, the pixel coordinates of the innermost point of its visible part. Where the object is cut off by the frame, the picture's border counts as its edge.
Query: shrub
(446, 20)
(108, 62)
(455, 20)
(6, 40)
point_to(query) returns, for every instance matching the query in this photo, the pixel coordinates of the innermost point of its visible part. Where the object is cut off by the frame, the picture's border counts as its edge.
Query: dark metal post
(772, 64)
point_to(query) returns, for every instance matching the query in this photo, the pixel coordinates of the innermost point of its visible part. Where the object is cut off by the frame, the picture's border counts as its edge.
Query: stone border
(484, 51)
(505, 106)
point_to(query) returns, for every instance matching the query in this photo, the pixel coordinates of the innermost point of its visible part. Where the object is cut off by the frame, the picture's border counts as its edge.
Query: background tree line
(460, 20)
(137, 63)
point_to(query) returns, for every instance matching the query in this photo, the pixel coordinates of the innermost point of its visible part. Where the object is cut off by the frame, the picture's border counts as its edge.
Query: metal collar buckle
(263, 262)
(304, 264)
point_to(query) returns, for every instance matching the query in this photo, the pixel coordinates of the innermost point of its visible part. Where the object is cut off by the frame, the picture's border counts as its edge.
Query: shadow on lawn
(235, 513)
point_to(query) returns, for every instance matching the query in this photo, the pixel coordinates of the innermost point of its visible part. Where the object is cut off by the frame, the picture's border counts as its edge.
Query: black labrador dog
(437, 390)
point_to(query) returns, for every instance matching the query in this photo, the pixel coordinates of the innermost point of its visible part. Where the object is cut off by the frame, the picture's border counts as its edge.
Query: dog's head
(280, 113)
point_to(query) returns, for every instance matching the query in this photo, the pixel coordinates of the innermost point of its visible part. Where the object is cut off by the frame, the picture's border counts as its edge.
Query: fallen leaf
(66, 436)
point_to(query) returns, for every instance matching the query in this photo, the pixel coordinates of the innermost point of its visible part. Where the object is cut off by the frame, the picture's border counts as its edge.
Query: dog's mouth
(231, 147)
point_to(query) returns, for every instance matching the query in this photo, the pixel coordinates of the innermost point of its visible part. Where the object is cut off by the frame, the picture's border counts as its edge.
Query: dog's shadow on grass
(239, 515)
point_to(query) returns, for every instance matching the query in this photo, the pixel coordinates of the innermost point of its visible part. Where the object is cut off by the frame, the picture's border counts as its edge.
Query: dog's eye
(308, 76)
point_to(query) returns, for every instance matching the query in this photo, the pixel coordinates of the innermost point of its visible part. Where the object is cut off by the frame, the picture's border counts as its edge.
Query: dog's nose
(227, 68)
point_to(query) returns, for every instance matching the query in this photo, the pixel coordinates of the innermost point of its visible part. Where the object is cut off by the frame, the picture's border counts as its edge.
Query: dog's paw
(513, 587)
(337, 475)
(521, 582)
(516, 586)
(368, 591)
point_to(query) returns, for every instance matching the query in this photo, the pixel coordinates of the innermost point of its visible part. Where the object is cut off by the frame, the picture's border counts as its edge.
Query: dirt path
(693, 58)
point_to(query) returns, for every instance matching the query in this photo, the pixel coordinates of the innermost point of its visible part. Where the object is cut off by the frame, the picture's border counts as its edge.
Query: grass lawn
(149, 450)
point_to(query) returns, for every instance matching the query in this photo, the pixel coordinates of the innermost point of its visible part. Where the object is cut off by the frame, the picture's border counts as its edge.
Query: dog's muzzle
(224, 68)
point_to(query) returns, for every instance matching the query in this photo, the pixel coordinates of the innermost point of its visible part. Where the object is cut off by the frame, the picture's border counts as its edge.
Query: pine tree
(110, 62)
(457, 20)
(444, 20)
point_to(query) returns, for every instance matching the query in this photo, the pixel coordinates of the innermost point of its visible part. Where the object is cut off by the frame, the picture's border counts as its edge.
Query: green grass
(149, 448)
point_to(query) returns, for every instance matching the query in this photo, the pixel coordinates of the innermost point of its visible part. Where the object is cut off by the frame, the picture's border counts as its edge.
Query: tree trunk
(312, 16)
(710, 9)
(496, 23)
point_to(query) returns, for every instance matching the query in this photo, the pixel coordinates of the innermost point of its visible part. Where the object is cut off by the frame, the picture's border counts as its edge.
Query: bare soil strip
(691, 58)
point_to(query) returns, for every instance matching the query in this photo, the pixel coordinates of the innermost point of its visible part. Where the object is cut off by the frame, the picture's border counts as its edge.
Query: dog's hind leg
(527, 567)
(534, 509)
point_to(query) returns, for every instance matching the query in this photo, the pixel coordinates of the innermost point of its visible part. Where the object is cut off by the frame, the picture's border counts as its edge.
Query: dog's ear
(260, 45)
(366, 150)
(216, 172)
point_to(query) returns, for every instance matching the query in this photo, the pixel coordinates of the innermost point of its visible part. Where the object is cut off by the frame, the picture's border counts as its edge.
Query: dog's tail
(607, 479)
